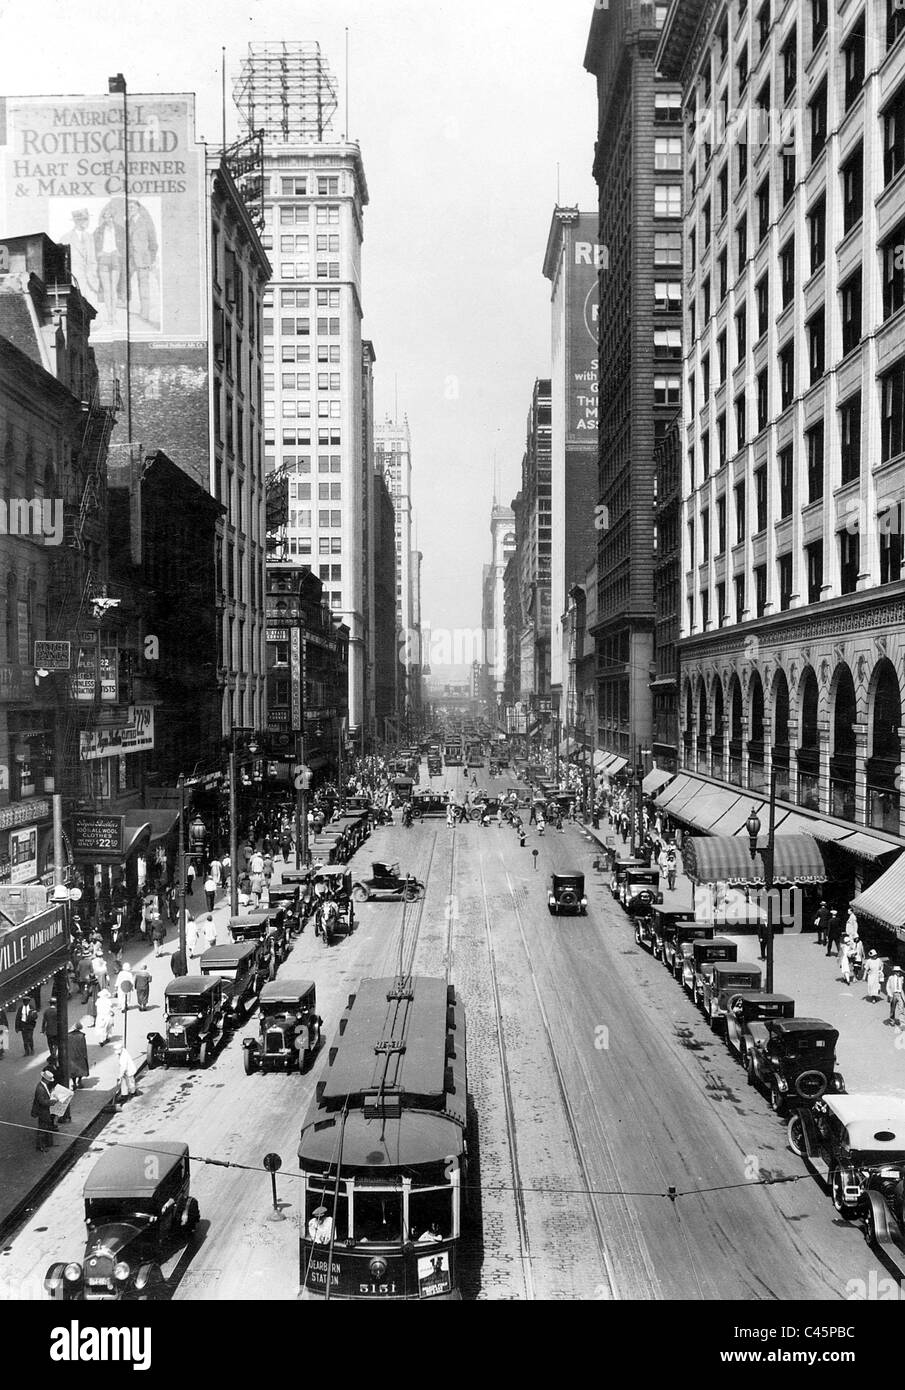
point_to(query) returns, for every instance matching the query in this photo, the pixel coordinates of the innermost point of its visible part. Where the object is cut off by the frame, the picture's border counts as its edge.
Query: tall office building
(638, 171)
(794, 418)
(314, 197)
(502, 539)
(531, 612)
(393, 458)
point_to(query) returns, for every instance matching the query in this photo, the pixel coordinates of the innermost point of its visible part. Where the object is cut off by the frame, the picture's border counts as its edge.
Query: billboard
(64, 171)
(23, 854)
(585, 259)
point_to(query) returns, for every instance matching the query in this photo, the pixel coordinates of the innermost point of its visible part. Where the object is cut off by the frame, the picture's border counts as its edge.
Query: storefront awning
(31, 953)
(884, 901)
(655, 779)
(665, 798)
(726, 859)
(616, 764)
(158, 823)
(862, 846)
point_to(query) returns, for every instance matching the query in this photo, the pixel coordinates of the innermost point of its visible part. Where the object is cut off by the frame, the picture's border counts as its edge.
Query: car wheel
(752, 1074)
(777, 1099)
(360, 893)
(795, 1136)
(150, 1056)
(637, 937)
(870, 1226)
(250, 1060)
(192, 1215)
(844, 1208)
(204, 1053)
(272, 972)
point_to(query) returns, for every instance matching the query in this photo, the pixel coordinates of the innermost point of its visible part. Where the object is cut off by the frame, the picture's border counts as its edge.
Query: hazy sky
(463, 111)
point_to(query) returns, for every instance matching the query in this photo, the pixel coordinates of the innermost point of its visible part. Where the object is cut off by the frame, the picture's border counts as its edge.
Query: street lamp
(637, 779)
(767, 852)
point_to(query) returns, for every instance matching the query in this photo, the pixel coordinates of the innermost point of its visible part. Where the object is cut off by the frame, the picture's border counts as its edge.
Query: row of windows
(301, 353)
(301, 299)
(301, 518)
(301, 381)
(301, 327)
(301, 409)
(294, 214)
(324, 186)
(301, 463)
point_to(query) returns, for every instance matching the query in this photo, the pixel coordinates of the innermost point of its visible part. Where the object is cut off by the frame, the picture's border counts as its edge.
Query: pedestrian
(216, 872)
(762, 935)
(127, 1086)
(821, 922)
(4, 1033)
(532, 819)
(99, 966)
(192, 936)
(257, 863)
(833, 932)
(210, 889)
(672, 867)
(178, 963)
(85, 978)
(50, 1026)
(158, 935)
(895, 993)
(521, 837)
(125, 985)
(40, 1111)
(78, 1055)
(189, 879)
(856, 954)
(268, 870)
(257, 887)
(851, 923)
(844, 960)
(623, 827)
(286, 846)
(142, 986)
(103, 1022)
(210, 932)
(873, 974)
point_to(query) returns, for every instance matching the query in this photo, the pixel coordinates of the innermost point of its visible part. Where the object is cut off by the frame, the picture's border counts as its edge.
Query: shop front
(31, 952)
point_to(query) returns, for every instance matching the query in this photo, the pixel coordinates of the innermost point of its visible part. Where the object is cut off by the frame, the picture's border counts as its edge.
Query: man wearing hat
(40, 1111)
(320, 1227)
(895, 993)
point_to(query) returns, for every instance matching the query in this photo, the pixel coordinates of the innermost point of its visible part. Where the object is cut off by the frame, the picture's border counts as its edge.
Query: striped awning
(727, 859)
(669, 794)
(655, 779)
(884, 900)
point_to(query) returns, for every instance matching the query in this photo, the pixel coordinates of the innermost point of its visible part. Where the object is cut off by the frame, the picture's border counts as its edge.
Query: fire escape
(78, 591)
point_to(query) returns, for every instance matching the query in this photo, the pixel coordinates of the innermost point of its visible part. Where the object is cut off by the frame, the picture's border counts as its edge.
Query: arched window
(717, 740)
(781, 735)
(688, 734)
(701, 763)
(884, 763)
(756, 773)
(808, 752)
(842, 749)
(735, 731)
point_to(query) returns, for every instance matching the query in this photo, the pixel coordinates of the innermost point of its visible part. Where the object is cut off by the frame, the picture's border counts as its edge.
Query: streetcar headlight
(72, 1272)
(378, 1270)
(121, 1271)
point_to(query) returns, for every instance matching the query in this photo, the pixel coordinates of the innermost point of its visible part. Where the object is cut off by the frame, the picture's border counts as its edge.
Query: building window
(814, 560)
(818, 20)
(705, 291)
(763, 399)
(742, 163)
(668, 248)
(850, 300)
(786, 376)
(668, 295)
(705, 454)
(849, 561)
(763, 210)
(741, 334)
(723, 187)
(668, 342)
(739, 494)
(760, 589)
(721, 526)
(816, 327)
(890, 522)
(760, 498)
(721, 356)
(814, 441)
(668, 200)
(668, 152)
(705, 372)
(741, 243)
(764, 21)
(786, 480)
(784, 576)
(762, 296)
(741, 420)
(787, 271)
(705, 534)
(721, 441)
(788, 176)
(892, 406)
(739, 586)
(705, 609)
(850, 437)
(853, 189)
(853, 57)
(789, 65)
(817, 234)
(667, 108)
(741, 68)
(894, 271)
(667, 390)
(895, 21)
(818, 122)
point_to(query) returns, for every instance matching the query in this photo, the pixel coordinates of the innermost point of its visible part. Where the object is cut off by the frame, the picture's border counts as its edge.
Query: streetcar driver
(320, 1227)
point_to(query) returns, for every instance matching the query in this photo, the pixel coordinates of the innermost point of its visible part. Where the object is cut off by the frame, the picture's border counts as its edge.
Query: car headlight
(121, 1271)
(72, 1272)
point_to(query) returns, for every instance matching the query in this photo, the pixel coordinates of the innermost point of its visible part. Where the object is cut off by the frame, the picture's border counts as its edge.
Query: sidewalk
(25, 1171)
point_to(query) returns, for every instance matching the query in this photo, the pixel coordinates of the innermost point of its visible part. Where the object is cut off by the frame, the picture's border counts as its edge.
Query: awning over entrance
(30, 954)
(679, 783)
(726, 859)
(884, 901)
(655, 779)
(158, 823)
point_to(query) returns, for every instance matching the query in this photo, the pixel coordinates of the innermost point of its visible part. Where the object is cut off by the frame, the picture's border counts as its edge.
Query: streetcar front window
(320, 1225)
(378, 1217)
(431, 1214)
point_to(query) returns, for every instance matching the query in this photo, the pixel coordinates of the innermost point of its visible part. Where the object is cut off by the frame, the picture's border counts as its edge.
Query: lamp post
(252, 748)
(767, 855)
(637, 779)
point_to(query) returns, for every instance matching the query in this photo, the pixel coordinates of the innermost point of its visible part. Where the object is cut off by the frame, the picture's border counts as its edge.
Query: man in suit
(26, 1022)
(40, 1110)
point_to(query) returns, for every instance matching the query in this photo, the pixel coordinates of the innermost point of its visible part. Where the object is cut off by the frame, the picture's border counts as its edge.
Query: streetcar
(382, 1151)
(452, 755)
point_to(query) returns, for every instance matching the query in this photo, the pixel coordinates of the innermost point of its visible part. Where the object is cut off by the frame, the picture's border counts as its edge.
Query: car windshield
(185, 1004)
(802, 1045)
(109, 1209)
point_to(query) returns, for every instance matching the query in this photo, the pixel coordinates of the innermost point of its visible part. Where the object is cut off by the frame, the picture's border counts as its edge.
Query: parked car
(567, 893)
(727, 979)
(270, 929)
(195, 1010)
(430, 804)
(243, 968)
(289, 1028)
(138, 1206)
(747, 1015)
(386, 884)
(662, 920)
(283, 903)
(620, 868)
(857, 1145)
(644, 930)
(640, 890)
(680, 936)
(698, 964)
(794, 1059)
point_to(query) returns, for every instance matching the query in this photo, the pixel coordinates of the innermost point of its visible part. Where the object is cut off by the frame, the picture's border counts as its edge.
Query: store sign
(91, 832)
(23, 854)
(53, 656)
(24, 947)
(84, 683)
(278, 634)
(136, 735)
(583, 301)
(21, 812)
(295, 677)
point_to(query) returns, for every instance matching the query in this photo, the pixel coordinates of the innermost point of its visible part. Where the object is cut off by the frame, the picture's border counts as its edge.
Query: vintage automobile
(857, 1145)
(485, 805)
(640, 890)
(242, 968)
(794, 1060)
(386, 884)
(138, 1208)
(403, 789)
(698, 964)
(289, 1027)
(679, 936)
(195, 1010)
(567, 893)
(430, 804)
(662, 920)
(434, 767)
(283, 903)
(746, 1016)
(356, 805)
(621, 865)
(644, 930)
(334, 911)
(268, 928)
(727, 978)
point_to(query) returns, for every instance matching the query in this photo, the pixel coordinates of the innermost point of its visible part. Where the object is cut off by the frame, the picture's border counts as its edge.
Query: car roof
(804, 1025)
(760, 998)
(285, 991)
(734, 966)
(190, 984)
(333, 871)
(568, 873)
(123, 1170)
(866, 1116)
(228, 955)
